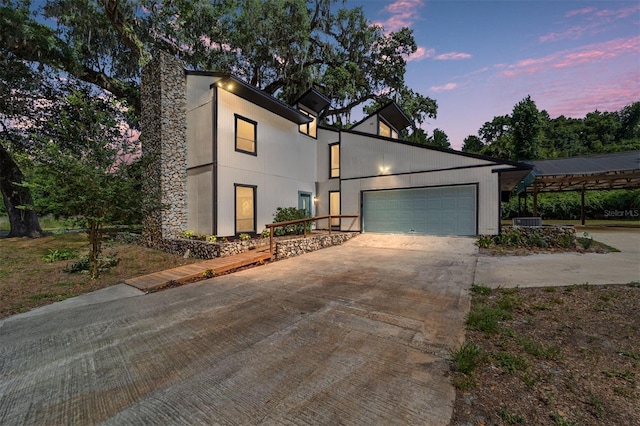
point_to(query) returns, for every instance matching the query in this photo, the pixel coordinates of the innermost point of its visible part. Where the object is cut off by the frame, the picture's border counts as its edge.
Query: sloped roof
(314, 100)
(235, 85)
(618, 170)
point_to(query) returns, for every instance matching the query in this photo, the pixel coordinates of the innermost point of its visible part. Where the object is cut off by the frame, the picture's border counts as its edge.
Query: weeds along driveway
(352, 334)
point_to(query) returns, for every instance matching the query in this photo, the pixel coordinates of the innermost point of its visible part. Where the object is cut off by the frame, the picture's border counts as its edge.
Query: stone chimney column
(164, 145)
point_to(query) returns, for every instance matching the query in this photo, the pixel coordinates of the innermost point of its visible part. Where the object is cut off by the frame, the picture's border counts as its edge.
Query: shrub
(286, 214)
(244, 237)
(537, 240)
(188, 234)
(211, 238)
(484, 241)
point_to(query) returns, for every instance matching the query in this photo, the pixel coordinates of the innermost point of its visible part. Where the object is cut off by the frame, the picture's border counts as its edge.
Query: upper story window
(387, 131)
(334, 160)
(246, 135)
(310, 128)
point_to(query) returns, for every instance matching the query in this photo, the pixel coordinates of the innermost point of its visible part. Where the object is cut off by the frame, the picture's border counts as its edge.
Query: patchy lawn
(550, 356)
(28, 281)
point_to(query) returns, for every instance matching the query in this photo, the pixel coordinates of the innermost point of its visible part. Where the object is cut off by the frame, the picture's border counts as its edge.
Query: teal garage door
(446, 210)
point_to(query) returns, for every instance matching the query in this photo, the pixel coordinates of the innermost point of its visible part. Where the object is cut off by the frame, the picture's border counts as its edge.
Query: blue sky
(477, 59)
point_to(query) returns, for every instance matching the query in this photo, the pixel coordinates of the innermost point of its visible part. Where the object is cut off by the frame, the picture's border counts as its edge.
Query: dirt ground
(559, 356)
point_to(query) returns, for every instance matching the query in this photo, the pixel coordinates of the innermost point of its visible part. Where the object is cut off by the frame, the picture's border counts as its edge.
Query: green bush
(57, 255)
(566, 205)
(286, 214)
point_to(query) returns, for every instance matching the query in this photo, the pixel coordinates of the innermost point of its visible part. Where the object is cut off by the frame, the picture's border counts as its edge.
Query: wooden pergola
(620, 170)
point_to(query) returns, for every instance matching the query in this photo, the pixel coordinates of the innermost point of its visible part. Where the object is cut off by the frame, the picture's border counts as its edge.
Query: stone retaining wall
(284, 247)
(554, 235)
(291, 248)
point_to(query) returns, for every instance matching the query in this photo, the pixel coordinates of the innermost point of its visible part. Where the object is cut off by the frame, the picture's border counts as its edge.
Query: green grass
(486, 318)
(466, 358)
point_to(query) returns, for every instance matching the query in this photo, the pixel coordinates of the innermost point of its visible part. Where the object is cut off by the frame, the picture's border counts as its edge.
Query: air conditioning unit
(527, 221)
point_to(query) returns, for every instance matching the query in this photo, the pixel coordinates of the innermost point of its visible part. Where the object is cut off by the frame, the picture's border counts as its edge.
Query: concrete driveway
(563, 269)
(353, 334)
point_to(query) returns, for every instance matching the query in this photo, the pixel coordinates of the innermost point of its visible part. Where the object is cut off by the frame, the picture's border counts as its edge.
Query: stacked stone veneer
(555, 236)
(284, 248)
(164, 144)
(291, 248)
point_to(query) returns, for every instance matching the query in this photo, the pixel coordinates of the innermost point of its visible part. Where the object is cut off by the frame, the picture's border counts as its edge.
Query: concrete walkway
(563, 269)
(352, 334)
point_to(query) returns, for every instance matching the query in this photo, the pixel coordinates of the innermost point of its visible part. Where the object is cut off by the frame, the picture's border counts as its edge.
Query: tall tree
(439, 139)
(526, 127)
(85, 172)
(281, 46)
(472, 144)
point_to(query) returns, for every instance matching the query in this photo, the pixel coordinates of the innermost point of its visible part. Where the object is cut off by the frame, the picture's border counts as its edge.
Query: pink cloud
(587, 54)
(597, 19)
(572, 33)
(403, 14)
(583, 11)
(444, 87)
(452, 56)
(420, 54)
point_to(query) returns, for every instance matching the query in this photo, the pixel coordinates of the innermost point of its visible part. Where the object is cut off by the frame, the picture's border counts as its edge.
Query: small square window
(246, 135)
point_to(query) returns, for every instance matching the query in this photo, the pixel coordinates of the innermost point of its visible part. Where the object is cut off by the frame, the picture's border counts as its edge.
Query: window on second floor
(310, 128)
(246, 135)
(387, 131)
(334, 160)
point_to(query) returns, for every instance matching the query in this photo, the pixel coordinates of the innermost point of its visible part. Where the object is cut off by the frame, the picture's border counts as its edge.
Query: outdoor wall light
(384, 170)
(315, 199)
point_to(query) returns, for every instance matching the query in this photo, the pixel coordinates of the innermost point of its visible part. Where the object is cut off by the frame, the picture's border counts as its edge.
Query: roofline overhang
(238, 87)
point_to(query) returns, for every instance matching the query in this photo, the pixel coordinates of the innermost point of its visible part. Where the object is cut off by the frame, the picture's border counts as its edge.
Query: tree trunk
(24, 222)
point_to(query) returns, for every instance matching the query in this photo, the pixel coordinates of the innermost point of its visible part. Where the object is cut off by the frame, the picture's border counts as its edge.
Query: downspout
(499, 204)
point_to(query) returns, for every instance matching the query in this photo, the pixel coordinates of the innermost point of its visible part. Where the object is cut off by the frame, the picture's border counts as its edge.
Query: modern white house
(229, 155)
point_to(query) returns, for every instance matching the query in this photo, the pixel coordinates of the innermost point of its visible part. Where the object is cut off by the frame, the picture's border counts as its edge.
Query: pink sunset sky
(477, 59)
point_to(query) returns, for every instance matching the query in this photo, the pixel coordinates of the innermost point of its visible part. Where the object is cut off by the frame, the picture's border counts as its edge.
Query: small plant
(209, 273)
(480, 289)
(265, 233)
(537, 240)
(486, 319)
(188, 234)
(560, 421)
(244, 237)
(510, 363)
(512, 238)
(466, 358)
(586, 240)
(540, 350)
(509, 302)
(211, 238)
(630, 354)
(484, 241)
(509, 418)
(83, 265)
(567, 241)
(57, 255)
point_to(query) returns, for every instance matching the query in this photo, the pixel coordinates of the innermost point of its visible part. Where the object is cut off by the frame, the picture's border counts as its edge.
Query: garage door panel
(434, 211)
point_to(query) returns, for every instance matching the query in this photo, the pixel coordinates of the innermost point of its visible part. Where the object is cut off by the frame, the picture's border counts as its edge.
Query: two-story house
(229, 155)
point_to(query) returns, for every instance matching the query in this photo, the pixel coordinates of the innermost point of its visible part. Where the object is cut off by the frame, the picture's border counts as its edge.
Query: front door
(304, 202)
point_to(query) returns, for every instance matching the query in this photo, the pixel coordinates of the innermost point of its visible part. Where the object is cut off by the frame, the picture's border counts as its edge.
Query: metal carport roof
(618, 170)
